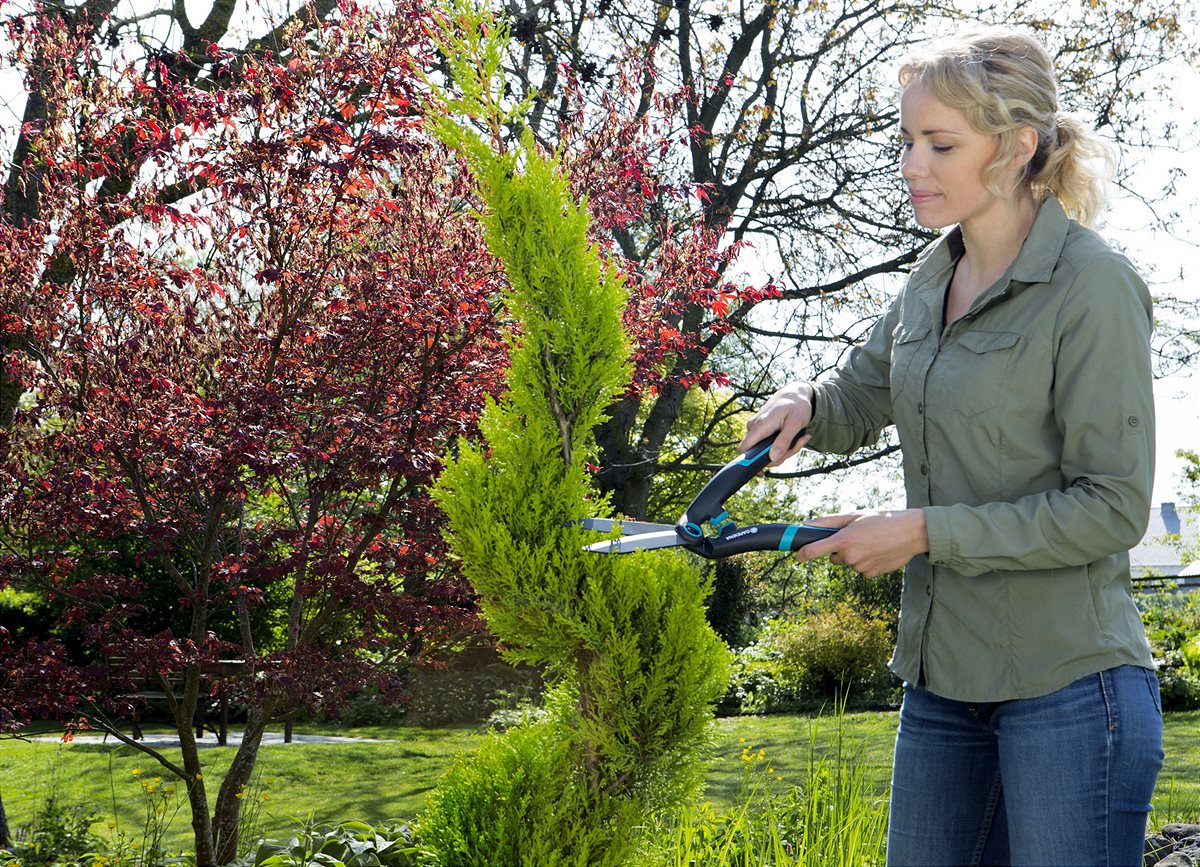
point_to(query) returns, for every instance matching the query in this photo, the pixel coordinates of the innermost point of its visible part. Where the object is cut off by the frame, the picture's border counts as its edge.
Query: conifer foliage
(634, 663)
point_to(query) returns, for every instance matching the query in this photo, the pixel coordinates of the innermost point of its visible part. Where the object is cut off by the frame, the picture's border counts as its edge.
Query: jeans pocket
(1152, 685)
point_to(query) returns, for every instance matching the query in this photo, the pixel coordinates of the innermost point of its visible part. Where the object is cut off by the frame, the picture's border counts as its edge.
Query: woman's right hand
(787, 412)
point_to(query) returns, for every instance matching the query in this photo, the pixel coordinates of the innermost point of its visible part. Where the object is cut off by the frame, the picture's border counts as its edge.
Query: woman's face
(942, 163)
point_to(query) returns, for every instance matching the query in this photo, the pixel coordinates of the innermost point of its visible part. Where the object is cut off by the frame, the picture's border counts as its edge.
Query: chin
(932, 222)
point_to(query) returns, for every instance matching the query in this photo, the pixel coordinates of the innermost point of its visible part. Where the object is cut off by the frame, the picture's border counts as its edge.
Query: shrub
(803, 664)
(1190, 653)
(368, 707)
(753, 682)
(831, 652)
(511, 710)
(1171, 618)
(623, 639)
(520, 801)
(1172, 622)
(1180, 689)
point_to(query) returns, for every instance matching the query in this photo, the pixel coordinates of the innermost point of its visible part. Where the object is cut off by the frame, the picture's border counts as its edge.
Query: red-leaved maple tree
(244, 312)
(233, 401)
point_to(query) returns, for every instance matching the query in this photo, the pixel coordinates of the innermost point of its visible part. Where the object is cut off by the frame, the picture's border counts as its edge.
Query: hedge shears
(706, 527)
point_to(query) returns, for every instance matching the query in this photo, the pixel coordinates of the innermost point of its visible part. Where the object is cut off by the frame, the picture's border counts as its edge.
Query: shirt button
(928, 589)
(924, 469)
(920, 409)
(1134, 421)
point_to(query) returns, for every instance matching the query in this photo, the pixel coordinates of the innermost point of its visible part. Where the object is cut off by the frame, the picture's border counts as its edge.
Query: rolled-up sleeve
(1103, 408)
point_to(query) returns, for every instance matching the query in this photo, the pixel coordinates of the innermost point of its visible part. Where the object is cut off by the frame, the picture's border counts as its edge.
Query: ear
(1027, 141)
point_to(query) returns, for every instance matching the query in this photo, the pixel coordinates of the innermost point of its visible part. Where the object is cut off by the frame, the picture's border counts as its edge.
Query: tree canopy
(788, 114)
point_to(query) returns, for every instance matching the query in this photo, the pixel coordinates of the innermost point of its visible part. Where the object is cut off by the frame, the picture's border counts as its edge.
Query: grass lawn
(377, 781)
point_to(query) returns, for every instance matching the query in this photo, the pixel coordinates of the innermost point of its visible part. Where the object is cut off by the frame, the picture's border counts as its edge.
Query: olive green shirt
(1027, 429)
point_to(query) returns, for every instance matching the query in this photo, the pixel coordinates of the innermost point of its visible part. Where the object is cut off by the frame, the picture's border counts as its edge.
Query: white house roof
(1160, 553)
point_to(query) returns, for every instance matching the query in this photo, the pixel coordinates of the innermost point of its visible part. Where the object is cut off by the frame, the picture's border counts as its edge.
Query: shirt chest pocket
(908, 345)
(974, 372)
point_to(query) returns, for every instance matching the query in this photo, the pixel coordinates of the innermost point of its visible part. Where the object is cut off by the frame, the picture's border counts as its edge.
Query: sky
(1170, 262)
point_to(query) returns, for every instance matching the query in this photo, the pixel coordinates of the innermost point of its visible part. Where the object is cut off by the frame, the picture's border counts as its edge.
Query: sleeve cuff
(942, 550)
(821, 427)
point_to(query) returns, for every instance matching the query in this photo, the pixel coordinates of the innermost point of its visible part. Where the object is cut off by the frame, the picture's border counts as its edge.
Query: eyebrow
(934, 132)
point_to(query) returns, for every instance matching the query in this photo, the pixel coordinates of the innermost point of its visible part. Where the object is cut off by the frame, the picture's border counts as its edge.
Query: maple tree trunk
(20, 207)
(10, 391)
(5, 839)
(202, 831)
(229, 806)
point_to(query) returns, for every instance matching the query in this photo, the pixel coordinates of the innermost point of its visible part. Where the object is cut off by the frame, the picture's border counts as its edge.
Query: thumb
(835, 521)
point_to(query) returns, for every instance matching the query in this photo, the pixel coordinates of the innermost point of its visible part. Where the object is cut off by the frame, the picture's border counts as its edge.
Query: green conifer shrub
(633, 663)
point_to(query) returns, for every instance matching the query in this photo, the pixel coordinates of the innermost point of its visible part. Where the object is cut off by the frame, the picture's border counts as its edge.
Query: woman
(1015, 366)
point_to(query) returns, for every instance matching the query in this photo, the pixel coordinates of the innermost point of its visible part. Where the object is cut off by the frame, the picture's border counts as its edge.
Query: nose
(911, 165)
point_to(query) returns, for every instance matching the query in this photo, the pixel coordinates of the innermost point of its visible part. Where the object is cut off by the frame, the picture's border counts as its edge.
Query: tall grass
(835, 817)
(1174, 802)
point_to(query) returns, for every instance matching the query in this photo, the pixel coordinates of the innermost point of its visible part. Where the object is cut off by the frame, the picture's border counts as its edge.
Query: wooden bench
(148, 688)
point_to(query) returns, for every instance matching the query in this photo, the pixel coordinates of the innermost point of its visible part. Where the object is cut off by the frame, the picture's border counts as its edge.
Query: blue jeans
(1064, 779)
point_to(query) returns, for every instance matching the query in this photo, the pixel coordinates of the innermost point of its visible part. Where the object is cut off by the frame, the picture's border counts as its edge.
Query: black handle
(710, 502)
(760, 537)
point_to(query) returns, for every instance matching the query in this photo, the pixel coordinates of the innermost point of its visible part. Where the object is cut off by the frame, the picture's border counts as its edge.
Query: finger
(784, 447)
(758, 429)
(835, 521)
(820, 548)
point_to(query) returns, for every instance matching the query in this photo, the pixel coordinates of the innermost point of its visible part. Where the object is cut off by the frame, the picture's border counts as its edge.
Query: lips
(920, 198)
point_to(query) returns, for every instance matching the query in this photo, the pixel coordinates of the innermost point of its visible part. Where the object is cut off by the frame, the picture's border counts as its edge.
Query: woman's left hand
(873, 543)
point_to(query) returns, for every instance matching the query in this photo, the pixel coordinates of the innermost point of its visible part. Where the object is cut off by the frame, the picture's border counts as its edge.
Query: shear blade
(641, 542)
(607, 525)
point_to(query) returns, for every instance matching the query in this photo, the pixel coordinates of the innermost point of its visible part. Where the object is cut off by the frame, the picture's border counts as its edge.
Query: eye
(906, 145)
(943, 149)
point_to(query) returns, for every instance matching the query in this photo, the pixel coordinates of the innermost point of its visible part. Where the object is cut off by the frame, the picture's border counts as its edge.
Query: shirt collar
(1035, 262)
(1044, 245)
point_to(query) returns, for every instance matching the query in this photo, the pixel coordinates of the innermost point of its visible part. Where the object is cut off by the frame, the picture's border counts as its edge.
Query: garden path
(210, 740)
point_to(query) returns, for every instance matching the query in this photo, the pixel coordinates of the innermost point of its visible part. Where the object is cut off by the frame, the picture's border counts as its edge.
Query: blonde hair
(1003, 80)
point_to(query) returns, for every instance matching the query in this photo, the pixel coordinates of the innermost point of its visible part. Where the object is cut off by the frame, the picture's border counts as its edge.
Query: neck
(993, 241)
